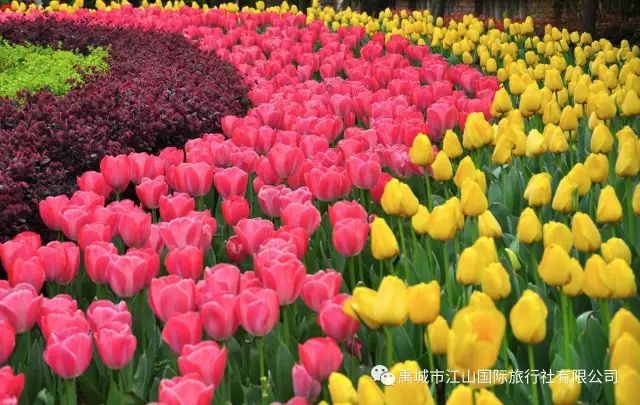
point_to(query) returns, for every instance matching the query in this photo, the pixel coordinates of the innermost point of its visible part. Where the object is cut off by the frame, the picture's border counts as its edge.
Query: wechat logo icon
(382, 374)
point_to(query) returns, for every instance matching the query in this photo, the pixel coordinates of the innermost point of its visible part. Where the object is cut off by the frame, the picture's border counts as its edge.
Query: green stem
(403, 253)
(360, 268)
(388, 332)
(447, 281)
(532, 366)
(263, 377)
(605, 314)
(121, 385)
(285, 321)
(70, 390)
(141, 314)
(154, 215)
(431, 363)
(352, 271)
(428, 183)
(566, 333)
(199, 203)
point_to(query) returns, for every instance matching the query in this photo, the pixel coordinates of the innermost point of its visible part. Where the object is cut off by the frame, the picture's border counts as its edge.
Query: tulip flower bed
(398, 219)
(47, 141)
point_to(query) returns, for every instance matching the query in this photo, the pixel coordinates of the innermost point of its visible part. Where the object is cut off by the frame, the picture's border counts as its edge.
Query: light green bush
(31, 67)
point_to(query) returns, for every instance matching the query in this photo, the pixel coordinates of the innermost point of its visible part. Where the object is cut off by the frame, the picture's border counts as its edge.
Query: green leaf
(114, 397)
(284, 364)
(45, 398)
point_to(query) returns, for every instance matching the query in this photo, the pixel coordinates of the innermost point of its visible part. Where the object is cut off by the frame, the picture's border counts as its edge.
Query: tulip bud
(538, 190)
(529, 229)
(391, 306)
(341, 389)
(528, 318)
(473, 200)
(441, 167)
(191, 386)
(580, 176)
(623, 322)
(421, 151)
(565, 387)
(597, 166)
(554, 266)
(488, 225)
(205, 359)
(495, 281)
(501, 102)
(437, 335)
(369, 392)
(628, 161)
(423, 301)
(116, 345)
(601, 139)
(320, 357)
(383, 242)
(615, 248)
(564, 196)
(609, 208)
(451, 145)
(68, 352)
(586, 236)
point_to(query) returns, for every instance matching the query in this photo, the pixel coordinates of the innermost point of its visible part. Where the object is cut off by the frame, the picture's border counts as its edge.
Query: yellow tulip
(528, 318)
(626, 389)
(631, 104)
(563, 198)
(341, 389)
(624, 285)
(625, 134)
(530, 100)
(516, 85)
(502, 153)
(369, 392)
(535, 143)
(469, 267)
(398, 199)
(576, 275)
(529, 229)
(424, 302)
(473, 200)
(626, 352)
(565, 387)
(477, 131)
(538, 190)
(437, 334)
(465, 169)
(441, 167)
(601, 139)
(604, 106)
(488, 225)
(623, 322)
(442, 222)
(553, 80)
(628, 162)
(495, 281)
(451, 144)
(586, 236)
(580, 176)
(615, 248)
(597, 282)
(554, 266)
(462, 395)
(421, 151)
(476, 335)
(635, 200)
(568, 119)
(557, 233)
(360, 307)
(597, 165)
(420, 221)
(407, 392)
(555, 139)
(391, 307)
(609, 208)
(501, 102)
(551, 113)
(383, 242)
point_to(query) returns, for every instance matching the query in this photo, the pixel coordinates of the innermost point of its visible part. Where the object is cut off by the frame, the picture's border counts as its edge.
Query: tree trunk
(589, 14)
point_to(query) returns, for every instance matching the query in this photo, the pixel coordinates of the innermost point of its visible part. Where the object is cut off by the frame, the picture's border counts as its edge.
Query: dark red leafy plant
(160, 90)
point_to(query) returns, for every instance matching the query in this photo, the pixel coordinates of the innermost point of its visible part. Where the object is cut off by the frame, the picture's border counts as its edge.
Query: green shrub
(29, 67)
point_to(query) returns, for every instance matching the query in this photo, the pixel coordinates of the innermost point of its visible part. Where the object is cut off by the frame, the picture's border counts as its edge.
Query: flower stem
(352, 271)
(532, 366)
(566, 333)
(389, 342)
(403, 253)
(447, 282)
(605, 314)
(263, 378)
(285, 321)
(428, 183)
(70, 389)
(431, 362)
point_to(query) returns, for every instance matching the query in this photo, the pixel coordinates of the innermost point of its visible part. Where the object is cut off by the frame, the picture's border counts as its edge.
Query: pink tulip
(143, 165)
(29, 271)
(269, 200)
(171, 156)
(134, 228)
(205, 359)
(223, 278)
(151, 259)
(281, 272)
(92, 233)
(171, 295)
(234, 209)
(349, 236)
(378, 189)
(127, 275)
(334, 322)
(72, 219)
(188, 389)
(303, 384)
(61, 303)
(175, 206)
(320, 287)
(304, 216)
(219, 316)
(7, 340)
(295, 236)
(440, 117)
(363, 170)
(61, 261)
(94, 181)
(248, 280)
(96, 259)
(116, 345)
(285, 159)
(68, 353)
(12, 250)
(328, 184)
(185, 262)
(346, 209)
(253, 232)
(11, 385)
(320, 356)
(186, 231)
(194, 179)
(258, 310)
(87, 199)
(103, 312)
(116, 172)
(70, 321)
(231, 181)
(181, 330)
(149, 191)
(236, 252)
